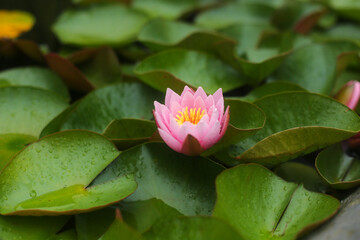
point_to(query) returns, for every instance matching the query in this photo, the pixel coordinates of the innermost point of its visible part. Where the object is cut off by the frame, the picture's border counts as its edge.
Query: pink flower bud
(192, 122)
(349, 94)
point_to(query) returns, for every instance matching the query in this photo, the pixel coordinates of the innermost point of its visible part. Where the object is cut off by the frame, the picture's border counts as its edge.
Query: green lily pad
(341, 32)
(94, 25)
(52, 176)
(67, 235)
(120, 230)
(10, 144)
(347, 8)
(240, 127)
(340, 170)
(182, 182)
(169, 9)
(35, 77)
(271, 88)
(30, 228)
(311, 122)
(26, 110)
(160, 34)
(298, 67)
(275, 210)
(192, 228)
(234, 13)
(95, 111)
(126, 133)
(177, 68)
(302, 174)
(91, 225)
(141, 215)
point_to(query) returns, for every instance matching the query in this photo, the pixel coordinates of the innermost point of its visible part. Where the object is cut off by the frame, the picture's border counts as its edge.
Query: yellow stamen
(193, 116)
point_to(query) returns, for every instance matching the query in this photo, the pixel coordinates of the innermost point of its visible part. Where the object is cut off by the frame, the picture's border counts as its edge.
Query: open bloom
(192, 122)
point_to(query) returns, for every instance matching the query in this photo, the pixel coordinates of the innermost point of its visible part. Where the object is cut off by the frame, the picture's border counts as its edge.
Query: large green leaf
(26, 110)
(260, 205)
(10, 144)
(169, 9)
(141, 215)
(35, 77)
(296, 123)
(126, 133)
(123, 100)
(344, 32)
(245, 120)
(53, 176)
(348, 8)
(192, 228)
(177, 68)
(234, 13)
(298, 67)
(30, 228)
(120, 230)
(182, 182)
(340, 170)
(102, 24)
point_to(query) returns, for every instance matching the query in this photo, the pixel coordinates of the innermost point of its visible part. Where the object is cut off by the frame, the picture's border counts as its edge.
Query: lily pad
(94, 25)
(10, 144)
(347, 8)
(26, 110)
(126, 133)
(35, 77)
(169, 9)
(141, 215)
(120, 230)
(276, 210)
(177, 68)
(52, 176)
(234, 13)
(311, 122)
(182, 182)
(192, 228)
(30, 228)
(340, 170)
(123, 100)
(298, 67)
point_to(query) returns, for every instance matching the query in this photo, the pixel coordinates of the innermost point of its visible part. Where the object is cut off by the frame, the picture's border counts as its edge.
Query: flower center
(193, 116)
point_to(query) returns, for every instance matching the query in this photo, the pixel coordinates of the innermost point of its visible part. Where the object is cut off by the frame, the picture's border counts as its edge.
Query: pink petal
(225, 121)
(209, 102)
(217, 95)
(170, 140)
(355, 96)
(165, 113)
(175, 108)
(220, 106)
(201, 130)
(212, 136)
(168, 95)
(160, 122)
(187, 100)
(214, 118)
(199, 103)
(185, 129)
(174, 128)
(187, 89)
(200, 93)
(204, 119)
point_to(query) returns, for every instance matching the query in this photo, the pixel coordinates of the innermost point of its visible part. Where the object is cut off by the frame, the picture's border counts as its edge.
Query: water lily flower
(349, 95)
(192, 122)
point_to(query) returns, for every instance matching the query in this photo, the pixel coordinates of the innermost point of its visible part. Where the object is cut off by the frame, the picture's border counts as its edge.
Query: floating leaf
(94, 25)
(302, 174)
(26, 110)
(35, 77)
(347, 8)
(340, 170)
(234, 13)
(52, 176)
(141, 215)
(298, 67)
(13, 23)
(169, 9)
(120, 230)
(177, 68)
(192, 228)
(126, 133)
(182, 182)
(67, 235)
(260, 205)
(123, 100)
(30, 228)
(311, 122)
